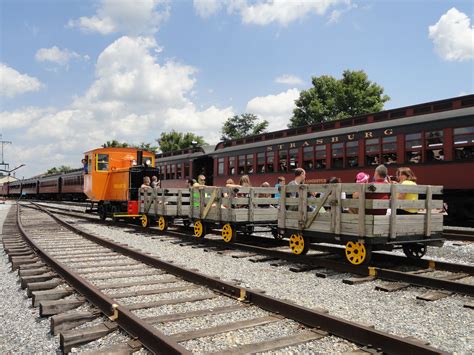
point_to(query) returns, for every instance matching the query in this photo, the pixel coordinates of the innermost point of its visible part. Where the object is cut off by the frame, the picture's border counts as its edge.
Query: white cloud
(207, 8)
(266, 12)
(276, 109)
(453, 36)
(58, 56)
(13, 83)
(129, 17)
(288, 79)
(135, 96)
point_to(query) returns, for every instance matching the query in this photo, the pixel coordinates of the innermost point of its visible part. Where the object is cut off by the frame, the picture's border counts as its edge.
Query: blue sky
(75, 74)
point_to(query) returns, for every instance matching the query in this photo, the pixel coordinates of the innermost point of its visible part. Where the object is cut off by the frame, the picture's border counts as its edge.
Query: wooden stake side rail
(327, 208)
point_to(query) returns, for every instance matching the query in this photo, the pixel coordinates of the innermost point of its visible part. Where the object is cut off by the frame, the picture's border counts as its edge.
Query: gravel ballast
(445, 323)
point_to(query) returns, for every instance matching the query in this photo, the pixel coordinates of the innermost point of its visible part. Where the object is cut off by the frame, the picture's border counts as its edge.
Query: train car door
(205, 166)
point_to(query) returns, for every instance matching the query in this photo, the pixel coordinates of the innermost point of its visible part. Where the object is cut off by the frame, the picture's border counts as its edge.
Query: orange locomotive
(112, 179)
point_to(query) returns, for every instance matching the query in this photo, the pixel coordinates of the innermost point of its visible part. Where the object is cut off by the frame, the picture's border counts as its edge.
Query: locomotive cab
(112, 177)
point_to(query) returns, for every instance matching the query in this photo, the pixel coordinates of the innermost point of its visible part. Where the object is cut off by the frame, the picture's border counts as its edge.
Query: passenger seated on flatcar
(146, 182)
(406, 176)
(380, 177)
(361, 178)
(262, 195)
(300, 176)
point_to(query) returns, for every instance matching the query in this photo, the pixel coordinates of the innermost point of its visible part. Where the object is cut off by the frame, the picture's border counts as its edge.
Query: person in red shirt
(380, 177)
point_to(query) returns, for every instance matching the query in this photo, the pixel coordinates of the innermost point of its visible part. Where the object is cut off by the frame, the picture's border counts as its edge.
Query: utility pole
(6, 166)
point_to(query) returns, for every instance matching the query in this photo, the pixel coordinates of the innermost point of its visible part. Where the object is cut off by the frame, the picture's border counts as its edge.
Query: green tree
(173, 140)
(145, 146)
(115, 144)
(332, 99)
(243, 126)
(58, 170)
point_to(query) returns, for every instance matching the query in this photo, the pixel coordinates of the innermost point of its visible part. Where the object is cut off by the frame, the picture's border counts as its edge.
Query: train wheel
(276, 234)
(199, 229)
(162, 224)
(145, 221)
(414, 251)
(298, 244)
(357, 253)
(102, 213)
(228, 233)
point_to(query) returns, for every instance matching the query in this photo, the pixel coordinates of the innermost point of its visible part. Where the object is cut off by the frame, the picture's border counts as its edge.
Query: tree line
(328, 99)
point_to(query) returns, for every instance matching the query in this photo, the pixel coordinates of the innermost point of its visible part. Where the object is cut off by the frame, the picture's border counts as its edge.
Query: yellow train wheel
(228, 233)
(145, 221)
(357, 253)
(199, 229)
(162, 224)
(298, 244)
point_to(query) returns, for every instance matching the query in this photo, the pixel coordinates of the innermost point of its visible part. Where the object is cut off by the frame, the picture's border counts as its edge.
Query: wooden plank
(434, 295)
(361, 211)
(48, 295)
(127, 348)
(224, 328)
(48, 308)
(76, 337)
(251, 205)
(429, 198)
(312, 216)
(391, 286)
(337, 209)
(65, 321)
(186, 315)
(144, 305)
(180, 203)
(151, 292)
(358, 280)
(282, 208)
(393, 207)
(276, 343)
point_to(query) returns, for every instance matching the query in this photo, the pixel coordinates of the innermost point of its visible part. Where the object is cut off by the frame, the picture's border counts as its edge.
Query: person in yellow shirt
(406, 176)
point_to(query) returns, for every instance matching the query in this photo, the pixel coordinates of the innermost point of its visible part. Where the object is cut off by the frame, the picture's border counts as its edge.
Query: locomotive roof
(351, 129)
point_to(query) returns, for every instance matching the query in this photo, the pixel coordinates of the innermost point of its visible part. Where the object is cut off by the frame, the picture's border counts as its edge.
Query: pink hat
(362, 178)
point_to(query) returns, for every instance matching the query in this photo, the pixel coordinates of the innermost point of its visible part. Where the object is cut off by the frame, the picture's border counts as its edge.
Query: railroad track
(64, 268)
(398, 271)
(462, 234)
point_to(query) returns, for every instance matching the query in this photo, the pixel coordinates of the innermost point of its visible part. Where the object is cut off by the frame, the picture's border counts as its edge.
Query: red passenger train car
(435, 139)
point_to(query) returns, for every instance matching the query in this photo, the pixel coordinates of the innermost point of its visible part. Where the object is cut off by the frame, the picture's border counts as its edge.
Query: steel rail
(357, 333)
(149, 336)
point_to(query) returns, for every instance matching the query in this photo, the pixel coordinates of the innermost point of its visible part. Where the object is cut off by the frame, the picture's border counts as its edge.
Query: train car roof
(190, 153)
(469, 111)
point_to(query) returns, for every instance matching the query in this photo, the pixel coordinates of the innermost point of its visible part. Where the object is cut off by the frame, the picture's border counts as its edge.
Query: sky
(77, 73)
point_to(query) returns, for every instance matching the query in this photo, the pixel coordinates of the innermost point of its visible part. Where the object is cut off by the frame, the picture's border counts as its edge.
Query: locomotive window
(413, 147)
(434, 146)
(464, 143)
(261, 162)
(231, 168)
(308, 158)
(220, 166)
(321, 156)
(372, 151)
(270, 162)
(337, 155)
(293, 158)
(352, 153)
(102, 162)
(283, 155)
(389, 150)
(241, 164)
(249, 168)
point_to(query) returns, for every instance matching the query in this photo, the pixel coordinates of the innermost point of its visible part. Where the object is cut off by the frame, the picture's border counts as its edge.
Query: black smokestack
(140, 157)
